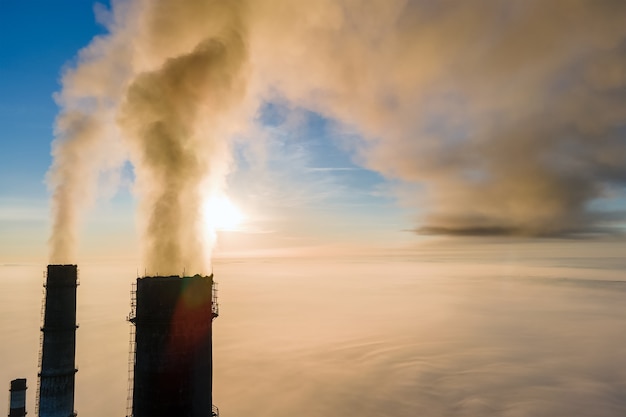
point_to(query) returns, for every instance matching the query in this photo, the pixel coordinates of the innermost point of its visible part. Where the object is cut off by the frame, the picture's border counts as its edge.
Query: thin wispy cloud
(331, 169)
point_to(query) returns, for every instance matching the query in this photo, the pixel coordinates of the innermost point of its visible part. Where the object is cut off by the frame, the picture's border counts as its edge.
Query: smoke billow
(172, 155)
(163, 84)
(510, 116)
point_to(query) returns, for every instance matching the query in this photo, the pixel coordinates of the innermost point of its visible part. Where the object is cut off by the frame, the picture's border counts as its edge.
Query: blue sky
(36, 39)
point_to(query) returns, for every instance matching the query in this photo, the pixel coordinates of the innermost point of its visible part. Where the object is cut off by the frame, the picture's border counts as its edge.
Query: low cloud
(450, 340)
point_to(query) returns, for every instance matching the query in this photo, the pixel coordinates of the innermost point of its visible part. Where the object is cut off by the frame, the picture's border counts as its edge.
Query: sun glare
(221, 214)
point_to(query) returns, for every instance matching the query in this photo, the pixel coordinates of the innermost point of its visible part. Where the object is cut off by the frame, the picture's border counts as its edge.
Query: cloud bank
(436, 339)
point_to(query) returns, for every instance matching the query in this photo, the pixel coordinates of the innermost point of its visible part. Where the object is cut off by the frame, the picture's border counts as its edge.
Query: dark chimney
(57, 374)
(173, 368)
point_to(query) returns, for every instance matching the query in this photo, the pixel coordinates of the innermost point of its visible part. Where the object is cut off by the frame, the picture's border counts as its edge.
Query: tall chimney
(58, 371)
(17, 402)
(173, 365)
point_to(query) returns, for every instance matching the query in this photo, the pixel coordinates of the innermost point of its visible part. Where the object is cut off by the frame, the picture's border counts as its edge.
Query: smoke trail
(86, 144)
(72, 192)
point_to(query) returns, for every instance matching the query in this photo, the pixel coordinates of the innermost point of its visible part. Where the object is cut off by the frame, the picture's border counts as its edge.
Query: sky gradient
(432, 196)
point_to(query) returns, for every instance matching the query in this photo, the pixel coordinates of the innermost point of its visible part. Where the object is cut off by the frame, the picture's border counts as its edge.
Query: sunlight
(220, 213)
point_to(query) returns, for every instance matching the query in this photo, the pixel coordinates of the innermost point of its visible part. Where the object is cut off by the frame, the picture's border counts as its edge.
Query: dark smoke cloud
(512, 115)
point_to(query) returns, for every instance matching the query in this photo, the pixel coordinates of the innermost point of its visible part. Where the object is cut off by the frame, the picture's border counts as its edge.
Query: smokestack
(58, 371)
(173, 364)
(17, 402)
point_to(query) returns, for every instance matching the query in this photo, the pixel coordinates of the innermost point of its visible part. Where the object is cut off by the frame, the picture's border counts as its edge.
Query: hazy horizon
(388, 337)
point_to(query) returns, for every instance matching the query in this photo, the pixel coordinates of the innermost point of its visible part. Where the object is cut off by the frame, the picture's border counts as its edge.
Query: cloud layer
(449, 339)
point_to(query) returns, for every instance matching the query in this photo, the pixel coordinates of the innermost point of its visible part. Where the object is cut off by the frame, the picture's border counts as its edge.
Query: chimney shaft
(173, 364)
(58, 370)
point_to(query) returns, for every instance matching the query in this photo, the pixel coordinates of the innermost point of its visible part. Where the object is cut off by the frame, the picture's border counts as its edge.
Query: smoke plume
(163, 83)
(172, 155)
(510, 116)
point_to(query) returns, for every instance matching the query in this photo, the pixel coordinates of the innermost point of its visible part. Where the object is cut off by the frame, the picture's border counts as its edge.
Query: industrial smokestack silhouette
(17, 401)
(58, 350)
(173, 365)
